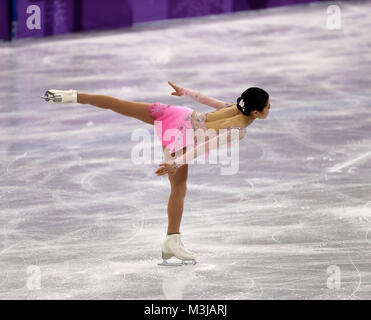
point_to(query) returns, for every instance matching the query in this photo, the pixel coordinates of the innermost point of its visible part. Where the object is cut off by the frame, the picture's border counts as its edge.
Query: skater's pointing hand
(176, 88)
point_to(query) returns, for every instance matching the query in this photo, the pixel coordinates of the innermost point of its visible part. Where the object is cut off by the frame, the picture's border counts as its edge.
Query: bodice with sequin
(198, 120)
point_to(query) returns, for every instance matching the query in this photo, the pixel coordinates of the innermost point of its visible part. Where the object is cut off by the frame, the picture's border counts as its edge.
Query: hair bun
(257, 99)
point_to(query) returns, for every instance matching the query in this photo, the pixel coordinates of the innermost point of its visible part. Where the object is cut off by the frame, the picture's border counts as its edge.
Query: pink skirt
(172, 117)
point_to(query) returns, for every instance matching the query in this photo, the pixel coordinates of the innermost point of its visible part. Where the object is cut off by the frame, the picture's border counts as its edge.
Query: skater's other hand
(166, 168)
(177, 89)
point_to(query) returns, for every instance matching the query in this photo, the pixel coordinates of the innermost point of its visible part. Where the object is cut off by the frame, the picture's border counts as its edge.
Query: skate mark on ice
(213, 188)
(360, 280)
(289, 228)
(9, 248)
(274, 234)
(16, 159)
(251, 184)
(138, 230)
(245, 295)
(340, 166)
(303, 230)
(368, 231)
(59, 203)
(86, 180)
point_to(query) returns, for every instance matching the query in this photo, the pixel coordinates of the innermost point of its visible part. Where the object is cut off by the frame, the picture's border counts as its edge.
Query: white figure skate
(60, 96)
(173, 247)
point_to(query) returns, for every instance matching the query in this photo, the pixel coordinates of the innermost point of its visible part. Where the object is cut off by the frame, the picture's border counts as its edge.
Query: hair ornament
(242, 104)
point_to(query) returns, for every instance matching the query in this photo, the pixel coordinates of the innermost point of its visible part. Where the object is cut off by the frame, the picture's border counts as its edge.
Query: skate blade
(176, 264)
(49, 96)
(167, 264)
(45, 98)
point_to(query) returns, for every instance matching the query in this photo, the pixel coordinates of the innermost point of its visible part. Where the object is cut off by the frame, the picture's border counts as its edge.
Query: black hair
(253, 99)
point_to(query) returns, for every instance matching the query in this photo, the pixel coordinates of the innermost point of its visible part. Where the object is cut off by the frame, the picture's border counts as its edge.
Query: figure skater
(254, 103)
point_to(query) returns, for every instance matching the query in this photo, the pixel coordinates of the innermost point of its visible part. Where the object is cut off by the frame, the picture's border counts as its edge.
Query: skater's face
(263, 114)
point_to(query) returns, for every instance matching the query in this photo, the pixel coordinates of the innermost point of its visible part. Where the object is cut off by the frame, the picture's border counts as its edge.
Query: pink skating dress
(172, 121)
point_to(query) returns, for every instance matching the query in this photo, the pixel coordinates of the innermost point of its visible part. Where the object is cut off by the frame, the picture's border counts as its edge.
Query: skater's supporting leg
(176, 200)
(172, 247)
(138, 110)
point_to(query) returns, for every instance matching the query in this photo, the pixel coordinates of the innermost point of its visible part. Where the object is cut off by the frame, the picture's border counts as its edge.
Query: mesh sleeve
(198, 96)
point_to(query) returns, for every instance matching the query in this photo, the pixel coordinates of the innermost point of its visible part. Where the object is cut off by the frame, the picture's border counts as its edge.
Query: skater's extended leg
(138, 110)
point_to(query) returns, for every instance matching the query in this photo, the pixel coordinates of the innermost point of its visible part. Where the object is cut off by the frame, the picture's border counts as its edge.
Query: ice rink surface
(79, 220)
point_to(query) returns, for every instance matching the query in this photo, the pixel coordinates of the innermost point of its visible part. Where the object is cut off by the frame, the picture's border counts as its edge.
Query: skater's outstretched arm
(198, 96)
(226, 137)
